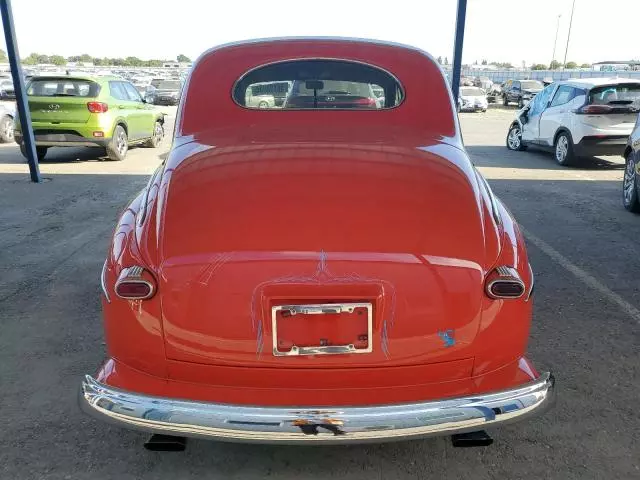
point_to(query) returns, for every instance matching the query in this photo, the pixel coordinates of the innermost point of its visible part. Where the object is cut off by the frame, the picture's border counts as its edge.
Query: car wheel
(263, 105)
(156, 138)
(40, 152)
(630, 198)
(119, 144)
(505, 102)
(564, 150)
(514, 139)
(6, 130)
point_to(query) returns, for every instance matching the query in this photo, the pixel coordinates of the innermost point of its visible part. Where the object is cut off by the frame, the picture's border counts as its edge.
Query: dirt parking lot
(583, 249)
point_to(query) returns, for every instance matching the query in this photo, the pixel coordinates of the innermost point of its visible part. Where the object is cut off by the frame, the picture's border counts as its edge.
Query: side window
(118, 91)
(563, 95)
(516, 85)
(541, 100)
(132, 93)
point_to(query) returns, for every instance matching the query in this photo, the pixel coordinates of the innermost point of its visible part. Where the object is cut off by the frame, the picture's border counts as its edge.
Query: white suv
(576, 118)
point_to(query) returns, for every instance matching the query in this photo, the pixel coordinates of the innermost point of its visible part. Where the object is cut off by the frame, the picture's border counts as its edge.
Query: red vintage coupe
(329, 270)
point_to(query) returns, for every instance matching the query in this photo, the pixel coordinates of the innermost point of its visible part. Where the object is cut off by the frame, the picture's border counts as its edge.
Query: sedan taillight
(135, 284)
(503, 283)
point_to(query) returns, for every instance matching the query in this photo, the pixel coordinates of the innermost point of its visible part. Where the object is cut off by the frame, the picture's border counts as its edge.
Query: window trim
(298, 59)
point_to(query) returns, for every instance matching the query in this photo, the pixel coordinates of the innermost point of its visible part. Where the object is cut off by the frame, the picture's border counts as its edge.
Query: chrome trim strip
(103, 282)
(319, 425)
(321, 309)
(530, 292)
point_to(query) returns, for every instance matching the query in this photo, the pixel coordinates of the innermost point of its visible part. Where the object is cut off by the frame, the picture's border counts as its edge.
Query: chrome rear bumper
(242, 423)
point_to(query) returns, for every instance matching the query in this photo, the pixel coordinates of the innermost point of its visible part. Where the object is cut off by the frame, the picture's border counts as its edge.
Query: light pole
(568, 35)
(555, 42)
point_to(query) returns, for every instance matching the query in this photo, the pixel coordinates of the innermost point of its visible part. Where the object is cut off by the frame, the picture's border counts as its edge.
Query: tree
(183, 58)
(484, 62)
(555, 65)
(3, 55)
(57, 60)
(571, 65)
(538, 66)
(585, 65)
(446, 60)
(31, 59)
(440, 60)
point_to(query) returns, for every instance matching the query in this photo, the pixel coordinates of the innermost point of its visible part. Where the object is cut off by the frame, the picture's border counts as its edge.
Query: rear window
(621, 94)
(471, 92)
(318, 84)
(62, 87)
(531, 84)
(169, 85)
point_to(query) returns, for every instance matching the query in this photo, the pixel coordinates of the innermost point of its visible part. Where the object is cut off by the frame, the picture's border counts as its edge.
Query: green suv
(108, 112)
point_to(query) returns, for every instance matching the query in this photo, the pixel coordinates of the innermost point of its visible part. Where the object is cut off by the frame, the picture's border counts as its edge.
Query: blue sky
(498, 30)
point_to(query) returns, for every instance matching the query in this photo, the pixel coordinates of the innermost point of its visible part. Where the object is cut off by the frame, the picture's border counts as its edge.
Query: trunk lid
(59, 110)
(252, 226)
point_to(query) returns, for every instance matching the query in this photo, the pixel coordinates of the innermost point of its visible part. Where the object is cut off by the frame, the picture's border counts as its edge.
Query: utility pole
(568, 35)
(555, 42)
(457, 48)
(21, 94)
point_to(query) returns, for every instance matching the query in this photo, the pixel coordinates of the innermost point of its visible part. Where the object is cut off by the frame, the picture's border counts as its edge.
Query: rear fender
(505, 324)
(133, 328)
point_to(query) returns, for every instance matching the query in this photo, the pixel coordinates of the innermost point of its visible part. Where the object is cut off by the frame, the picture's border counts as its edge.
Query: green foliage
(183, 58)
(585, 65)
(57, 60)
(555, 65)
(538, 66)
(3, 56)
(571, 65)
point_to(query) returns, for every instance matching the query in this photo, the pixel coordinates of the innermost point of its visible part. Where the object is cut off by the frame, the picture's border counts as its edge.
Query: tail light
(594, 109)
(365, 102)
(97, 107)
(504, 282)
(134, 283)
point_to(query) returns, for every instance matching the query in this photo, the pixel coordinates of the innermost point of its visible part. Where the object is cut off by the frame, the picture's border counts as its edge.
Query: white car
(254, 98)
(578, 118)
(472, 99)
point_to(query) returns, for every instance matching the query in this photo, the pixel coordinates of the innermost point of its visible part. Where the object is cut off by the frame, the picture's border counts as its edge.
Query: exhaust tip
(165, 443)
(471, 439)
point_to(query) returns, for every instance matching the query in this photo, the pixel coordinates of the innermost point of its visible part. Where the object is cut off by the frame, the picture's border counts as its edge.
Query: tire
(6, 130)
(41, 152)
(158, 135)
(514, 139)
(630, 198)
(118, 145)
(505, 102)
(563, 150)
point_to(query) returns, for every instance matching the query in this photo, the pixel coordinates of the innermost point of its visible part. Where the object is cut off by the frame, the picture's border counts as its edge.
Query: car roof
(596, 82)
(92, 78)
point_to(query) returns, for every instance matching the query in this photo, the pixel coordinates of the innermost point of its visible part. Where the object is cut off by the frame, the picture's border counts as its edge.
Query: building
(616, 66)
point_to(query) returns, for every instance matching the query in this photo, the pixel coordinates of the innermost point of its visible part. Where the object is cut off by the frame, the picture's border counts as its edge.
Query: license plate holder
(342, 311)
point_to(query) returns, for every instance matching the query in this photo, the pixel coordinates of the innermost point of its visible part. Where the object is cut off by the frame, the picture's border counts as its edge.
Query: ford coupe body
(334, 271)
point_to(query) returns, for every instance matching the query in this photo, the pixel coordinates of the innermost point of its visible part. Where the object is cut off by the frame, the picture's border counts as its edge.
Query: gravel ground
(53, 237)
